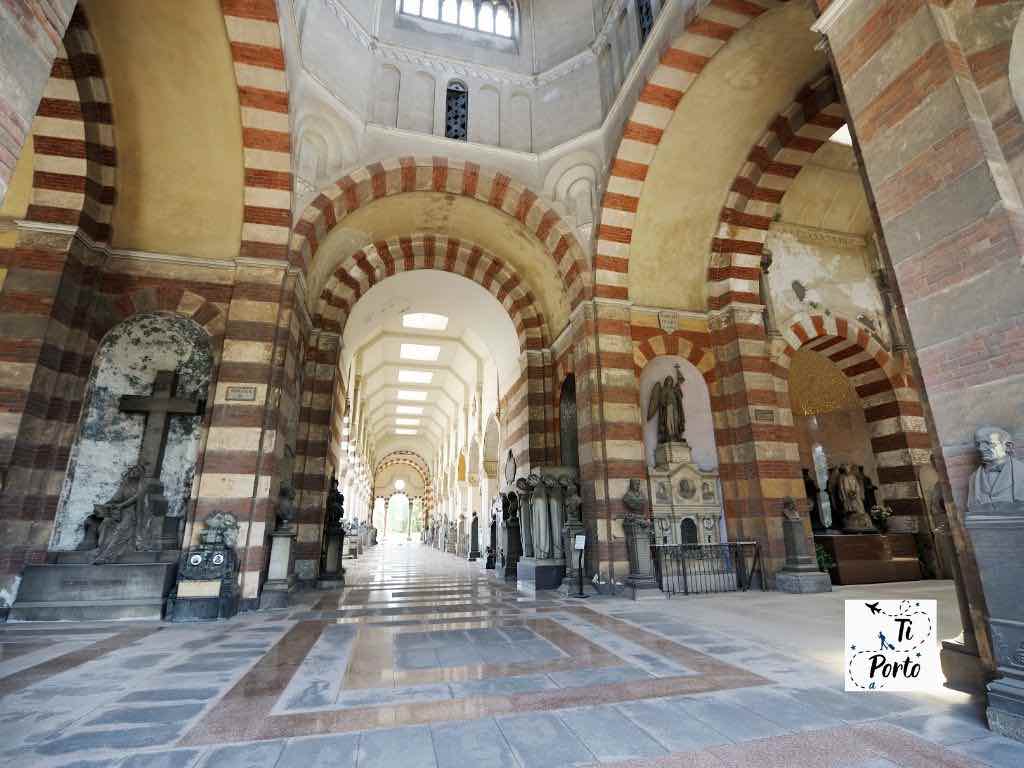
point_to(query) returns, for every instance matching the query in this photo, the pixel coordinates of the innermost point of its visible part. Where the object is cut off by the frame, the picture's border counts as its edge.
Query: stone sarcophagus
(544, 496)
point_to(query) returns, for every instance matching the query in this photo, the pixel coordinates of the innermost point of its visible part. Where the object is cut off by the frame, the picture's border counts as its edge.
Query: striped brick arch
(646, 348)
(366, 267)
(255, 37)
(679, 67)
(754, 197)
(892, 408)
(180, 301)
(409, 459)
(73, 139)
(438, 174)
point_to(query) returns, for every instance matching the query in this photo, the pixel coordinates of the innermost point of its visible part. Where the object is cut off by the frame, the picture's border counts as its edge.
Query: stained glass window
(456, 112)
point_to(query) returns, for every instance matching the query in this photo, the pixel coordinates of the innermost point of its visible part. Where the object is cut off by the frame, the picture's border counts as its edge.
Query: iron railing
(703, 568)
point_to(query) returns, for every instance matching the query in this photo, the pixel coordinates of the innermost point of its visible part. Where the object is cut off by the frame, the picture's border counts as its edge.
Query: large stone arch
(679, 67)
(892, 408)
(441, 175)
(259, 62)
(75, 159)
(369, 266)
(754, 197)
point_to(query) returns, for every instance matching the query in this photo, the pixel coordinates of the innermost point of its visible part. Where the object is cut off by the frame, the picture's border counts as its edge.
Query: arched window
(494, 17)
(456, 111)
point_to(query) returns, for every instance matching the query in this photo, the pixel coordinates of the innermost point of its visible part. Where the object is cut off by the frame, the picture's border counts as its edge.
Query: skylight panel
(425, 321)
(407, 376)
(422, 352)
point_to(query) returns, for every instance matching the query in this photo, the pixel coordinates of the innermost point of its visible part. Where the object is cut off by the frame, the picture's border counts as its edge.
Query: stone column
(949, 208)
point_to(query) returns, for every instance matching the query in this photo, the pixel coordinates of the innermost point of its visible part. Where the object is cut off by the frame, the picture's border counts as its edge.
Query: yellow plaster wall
(176, 123)
(756, 75)
(828, 193)
(434, 213)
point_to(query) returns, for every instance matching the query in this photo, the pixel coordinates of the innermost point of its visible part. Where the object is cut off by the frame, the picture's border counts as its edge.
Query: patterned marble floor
(423, 660)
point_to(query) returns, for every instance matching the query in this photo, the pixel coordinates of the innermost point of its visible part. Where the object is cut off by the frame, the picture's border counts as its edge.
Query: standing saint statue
(667, 404)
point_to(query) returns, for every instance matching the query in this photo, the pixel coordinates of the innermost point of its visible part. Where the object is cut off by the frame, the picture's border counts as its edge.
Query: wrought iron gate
(704, 568)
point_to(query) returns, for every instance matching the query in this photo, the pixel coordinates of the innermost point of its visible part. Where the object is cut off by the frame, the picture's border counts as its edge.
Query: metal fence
(703, 568)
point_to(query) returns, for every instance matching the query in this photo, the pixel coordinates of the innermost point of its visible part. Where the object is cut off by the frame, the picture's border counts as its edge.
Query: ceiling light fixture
(406, 376)
(426, 352)
(412, 394)
(425, 321)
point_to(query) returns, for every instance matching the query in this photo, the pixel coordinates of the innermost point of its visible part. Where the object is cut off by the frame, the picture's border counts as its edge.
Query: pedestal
(280, 578)
(533, 574)
(871, 558)
(672, 453)
(997, 534)
(333, 576)
(800, 574)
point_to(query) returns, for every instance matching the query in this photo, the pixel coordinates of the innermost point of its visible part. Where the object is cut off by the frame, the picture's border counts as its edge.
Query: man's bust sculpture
(1000, 478)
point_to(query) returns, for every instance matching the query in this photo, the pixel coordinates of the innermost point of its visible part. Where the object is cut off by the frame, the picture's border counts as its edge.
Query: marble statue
(634, 498)
(666, 403)
(856, 517)
(124, 523)
(1000, 478)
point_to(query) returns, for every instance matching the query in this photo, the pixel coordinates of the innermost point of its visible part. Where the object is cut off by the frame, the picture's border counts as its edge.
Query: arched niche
(700, 430)
(108, 441)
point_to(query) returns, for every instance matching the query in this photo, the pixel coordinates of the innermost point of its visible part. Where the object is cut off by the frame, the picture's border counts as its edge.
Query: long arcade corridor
(423, 660)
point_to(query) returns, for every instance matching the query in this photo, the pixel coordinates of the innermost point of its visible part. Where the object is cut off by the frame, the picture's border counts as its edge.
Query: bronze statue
(1000, 478)
(667, 404)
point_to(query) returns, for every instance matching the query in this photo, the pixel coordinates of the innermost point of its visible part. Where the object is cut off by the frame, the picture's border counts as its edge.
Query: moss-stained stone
(109, 440)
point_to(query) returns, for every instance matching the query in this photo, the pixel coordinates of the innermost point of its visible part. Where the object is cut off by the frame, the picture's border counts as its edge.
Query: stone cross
(158, 407)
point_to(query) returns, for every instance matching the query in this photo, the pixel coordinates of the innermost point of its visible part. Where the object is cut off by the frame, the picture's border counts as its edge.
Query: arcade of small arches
(436, 333)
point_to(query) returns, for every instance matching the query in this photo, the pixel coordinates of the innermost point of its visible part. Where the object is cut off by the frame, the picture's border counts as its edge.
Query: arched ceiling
(722, 115)
(466, 218)
(478, 350)
(177, 125)
(828, 193)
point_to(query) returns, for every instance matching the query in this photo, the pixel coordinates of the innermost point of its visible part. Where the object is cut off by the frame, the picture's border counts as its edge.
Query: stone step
(107, 610)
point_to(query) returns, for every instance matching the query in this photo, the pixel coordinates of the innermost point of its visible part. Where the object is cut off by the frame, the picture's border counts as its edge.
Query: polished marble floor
(423, 660)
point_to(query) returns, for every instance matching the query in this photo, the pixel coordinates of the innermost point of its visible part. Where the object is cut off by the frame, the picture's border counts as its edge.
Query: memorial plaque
(240, 393)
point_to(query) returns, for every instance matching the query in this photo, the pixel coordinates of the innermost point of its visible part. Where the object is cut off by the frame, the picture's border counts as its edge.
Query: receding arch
(369, 266)
(441, 175)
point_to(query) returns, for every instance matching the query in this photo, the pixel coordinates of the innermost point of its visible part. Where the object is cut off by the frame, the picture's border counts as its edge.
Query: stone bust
(1000, 478)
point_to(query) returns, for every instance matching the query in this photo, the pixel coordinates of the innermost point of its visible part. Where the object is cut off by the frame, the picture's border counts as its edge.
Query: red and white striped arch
(680, 66)
(375, 263)
(439, 174)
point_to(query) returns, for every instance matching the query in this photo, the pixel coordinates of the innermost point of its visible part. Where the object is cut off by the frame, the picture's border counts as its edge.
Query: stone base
(329, 580)
(276, 593)
(186, 609)
(802, 582)
(643, 586)
(871, 558)
(94, 592)
(1006, 708)
(533, 574)
(962, 669)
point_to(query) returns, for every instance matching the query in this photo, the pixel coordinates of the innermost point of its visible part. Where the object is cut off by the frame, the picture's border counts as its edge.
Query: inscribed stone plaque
(240, 393)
